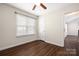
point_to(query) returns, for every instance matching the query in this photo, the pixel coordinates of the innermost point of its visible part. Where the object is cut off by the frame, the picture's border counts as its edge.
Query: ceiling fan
(41, 4)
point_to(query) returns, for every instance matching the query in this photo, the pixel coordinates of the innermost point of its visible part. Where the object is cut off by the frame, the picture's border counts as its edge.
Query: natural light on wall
(73, 13)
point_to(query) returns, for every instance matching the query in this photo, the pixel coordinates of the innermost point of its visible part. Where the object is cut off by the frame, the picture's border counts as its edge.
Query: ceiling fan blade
(34, 7)
(43, 6)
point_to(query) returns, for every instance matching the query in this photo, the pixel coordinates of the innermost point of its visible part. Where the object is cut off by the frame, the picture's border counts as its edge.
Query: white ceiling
(40, 11)
(72, 17)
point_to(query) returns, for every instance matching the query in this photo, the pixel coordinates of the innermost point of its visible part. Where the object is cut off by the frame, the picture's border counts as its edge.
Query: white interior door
(65, 31)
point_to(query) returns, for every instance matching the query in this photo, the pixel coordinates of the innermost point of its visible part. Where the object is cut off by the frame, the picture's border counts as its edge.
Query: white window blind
(25, 25)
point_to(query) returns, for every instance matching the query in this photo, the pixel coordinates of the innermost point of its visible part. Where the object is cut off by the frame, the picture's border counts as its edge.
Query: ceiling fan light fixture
(38, 4)
(43, 6)
(37, 11)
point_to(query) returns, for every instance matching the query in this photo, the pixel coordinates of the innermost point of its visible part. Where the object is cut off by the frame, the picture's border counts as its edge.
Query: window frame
(27, 26)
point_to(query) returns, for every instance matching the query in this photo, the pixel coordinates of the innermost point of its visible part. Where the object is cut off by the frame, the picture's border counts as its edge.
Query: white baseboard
(3, 48)
(10, 46)
(61, 45)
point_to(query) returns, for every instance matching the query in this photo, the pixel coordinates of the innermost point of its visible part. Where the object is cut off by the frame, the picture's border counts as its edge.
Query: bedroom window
(24, 25)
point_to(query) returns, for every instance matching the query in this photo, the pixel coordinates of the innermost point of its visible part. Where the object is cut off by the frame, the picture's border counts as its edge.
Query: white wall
(8, 28)
(53, 28)
(41, 27)
(73, 27)
(54, 24)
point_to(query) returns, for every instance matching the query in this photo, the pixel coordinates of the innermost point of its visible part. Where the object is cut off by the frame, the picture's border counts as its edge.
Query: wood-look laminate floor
(35, 48)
